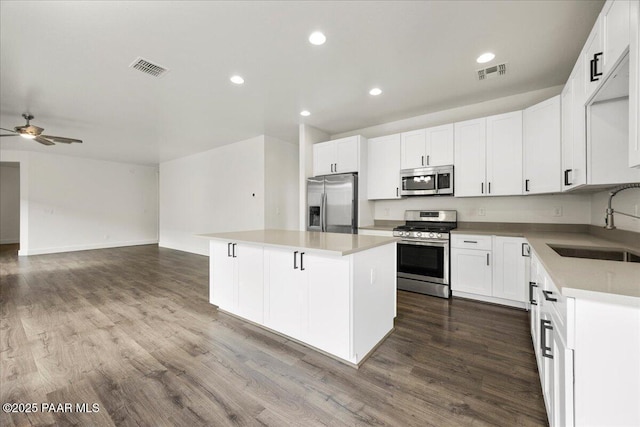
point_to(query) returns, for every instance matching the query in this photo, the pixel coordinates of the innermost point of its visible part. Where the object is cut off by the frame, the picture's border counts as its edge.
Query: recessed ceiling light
(485, 57)
(317, 38)
(375, 91)
(237, 80)
(305, 113)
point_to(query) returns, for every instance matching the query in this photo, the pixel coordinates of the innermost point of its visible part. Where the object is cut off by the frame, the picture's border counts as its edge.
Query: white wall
(575, 208)
(467, 112)
(627, 201)
(308, 136)
(281, 184)
(9, 202)
(214, 191)
(69, 203)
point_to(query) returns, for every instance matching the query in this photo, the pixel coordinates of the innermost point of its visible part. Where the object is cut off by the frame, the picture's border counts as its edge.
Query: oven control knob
(418, 234)
(439, 235)
(404, 233)
(431, 235)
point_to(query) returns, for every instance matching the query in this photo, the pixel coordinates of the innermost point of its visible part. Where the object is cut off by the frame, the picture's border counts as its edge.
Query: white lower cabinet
(471, 271)
(550, 334)
(342, 305)
(327, 304)
(587, 352)
(236, 279)
(490, 268)
(308, 299)
(284, 293)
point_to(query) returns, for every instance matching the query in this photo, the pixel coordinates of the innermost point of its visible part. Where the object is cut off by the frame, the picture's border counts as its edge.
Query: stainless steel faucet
(609, 218)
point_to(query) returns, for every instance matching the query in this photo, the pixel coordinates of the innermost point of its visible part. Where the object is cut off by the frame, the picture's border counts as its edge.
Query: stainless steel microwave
(429, 181)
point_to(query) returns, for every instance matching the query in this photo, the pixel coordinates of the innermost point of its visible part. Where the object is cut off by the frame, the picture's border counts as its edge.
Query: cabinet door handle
(233, 250)
(487, 259)
(397, 192)
(301, 261)
(545, 325)
(489, 188)
(229, 249)
(526, 250)
(531, 286)
(295, 260)
(422, 161)
(335, 169)
(526, 185)
(547, 297)
(471, 241)
(594, 67)
(566, 176)
(427, 160)
(331, 167)
(482, 187)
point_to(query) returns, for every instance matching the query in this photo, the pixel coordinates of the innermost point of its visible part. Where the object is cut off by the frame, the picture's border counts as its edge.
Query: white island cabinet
(333, 292)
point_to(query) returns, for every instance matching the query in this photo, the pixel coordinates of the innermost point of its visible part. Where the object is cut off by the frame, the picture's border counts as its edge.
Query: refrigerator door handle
(323, 212)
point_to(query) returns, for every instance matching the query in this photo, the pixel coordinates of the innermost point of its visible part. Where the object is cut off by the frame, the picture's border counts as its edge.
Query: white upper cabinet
(488, 156)
(574, 152)
(504, 154)
(413, 149)
(440, 145)
(337, 156)
(470, 151)
(592, 59)
(384, 166)
(634, 86)
(324, 157)
(541, 147)
(427, 147)
(615, 30)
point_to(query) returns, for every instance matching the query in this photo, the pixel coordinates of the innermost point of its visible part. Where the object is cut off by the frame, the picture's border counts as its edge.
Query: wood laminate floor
(131, 329)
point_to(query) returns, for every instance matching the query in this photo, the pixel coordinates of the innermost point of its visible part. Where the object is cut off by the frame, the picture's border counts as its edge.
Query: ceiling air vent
(493, 71)
(148, 67)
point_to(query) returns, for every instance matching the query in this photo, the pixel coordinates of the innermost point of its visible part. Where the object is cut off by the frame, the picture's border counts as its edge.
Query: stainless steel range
(423, 252)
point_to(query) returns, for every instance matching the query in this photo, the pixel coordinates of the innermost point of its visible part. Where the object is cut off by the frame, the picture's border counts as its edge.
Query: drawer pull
(295, 260)
(229, 249)
(531, 286)
(545, 325)
(471, 241)
(547, 297)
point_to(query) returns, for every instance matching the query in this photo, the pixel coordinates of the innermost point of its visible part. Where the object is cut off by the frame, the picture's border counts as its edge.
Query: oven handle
(417, 243)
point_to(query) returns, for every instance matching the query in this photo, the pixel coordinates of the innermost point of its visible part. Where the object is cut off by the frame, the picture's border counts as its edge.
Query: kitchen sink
(608, 254)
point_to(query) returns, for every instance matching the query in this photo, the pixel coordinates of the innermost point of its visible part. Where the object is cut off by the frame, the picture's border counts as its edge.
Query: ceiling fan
(30, 131)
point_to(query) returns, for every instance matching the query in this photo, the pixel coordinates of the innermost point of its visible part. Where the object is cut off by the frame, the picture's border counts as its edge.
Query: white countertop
(329, 243)
(606, 281)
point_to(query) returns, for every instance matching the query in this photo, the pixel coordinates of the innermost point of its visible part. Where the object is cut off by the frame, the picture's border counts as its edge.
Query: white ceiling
(67, 63)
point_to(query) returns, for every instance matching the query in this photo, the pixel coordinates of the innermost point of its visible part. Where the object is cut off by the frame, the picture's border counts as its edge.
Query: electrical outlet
(481, 212)
(557, 211)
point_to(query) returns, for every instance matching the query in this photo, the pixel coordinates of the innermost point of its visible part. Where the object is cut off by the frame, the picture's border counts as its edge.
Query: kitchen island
(332, 292)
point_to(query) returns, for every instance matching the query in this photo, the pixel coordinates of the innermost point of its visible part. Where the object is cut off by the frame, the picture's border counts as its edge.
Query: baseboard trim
(490, 300)
(89, 247)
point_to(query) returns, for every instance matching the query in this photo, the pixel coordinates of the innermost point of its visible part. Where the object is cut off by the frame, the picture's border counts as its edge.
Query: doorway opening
(9, 206)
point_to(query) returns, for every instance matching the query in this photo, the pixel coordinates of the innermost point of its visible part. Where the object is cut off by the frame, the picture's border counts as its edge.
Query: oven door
(426, 261)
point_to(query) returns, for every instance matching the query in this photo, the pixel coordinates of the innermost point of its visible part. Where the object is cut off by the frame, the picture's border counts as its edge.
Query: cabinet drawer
(556, 305)
(471, 241)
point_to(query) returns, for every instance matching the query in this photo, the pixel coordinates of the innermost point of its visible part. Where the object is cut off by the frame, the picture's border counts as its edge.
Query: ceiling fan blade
(62, 139)
(43, 141)
(7, 134)
(10, 130)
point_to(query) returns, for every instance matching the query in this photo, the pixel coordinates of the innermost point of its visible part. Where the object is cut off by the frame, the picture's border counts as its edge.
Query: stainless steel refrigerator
(332, 203)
